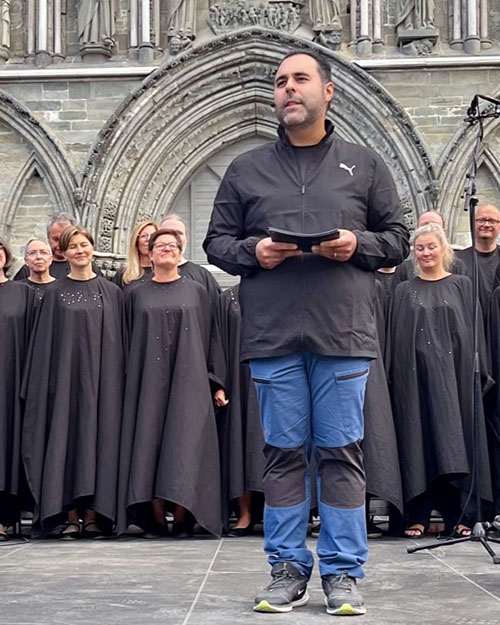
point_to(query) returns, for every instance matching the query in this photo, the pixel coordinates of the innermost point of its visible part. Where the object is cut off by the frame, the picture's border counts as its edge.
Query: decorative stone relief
(182, 26)
(326, 24)
(233, 14)
(415, 27)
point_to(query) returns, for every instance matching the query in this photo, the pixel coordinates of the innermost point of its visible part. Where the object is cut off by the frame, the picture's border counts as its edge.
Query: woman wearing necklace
(16, 316)
(431, 363)
(175, 378)
(73, 392)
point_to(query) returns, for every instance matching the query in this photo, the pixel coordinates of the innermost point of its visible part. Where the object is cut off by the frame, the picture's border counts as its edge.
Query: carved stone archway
(454, 165)
(47, 157)
(217, 94)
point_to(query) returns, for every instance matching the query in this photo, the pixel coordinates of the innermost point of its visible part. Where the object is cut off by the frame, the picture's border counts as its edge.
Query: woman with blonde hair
(137, 267)
(430, 368)
(73, 391)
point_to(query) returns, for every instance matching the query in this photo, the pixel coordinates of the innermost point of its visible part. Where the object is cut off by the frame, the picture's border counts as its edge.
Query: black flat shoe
(239, 532)
(4, 537)
(92, 533)
(69, 535)
(181, 529)
(155, 531)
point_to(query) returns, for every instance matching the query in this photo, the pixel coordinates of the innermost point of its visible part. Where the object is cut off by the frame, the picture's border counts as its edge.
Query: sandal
(461, 531)
(91, 533)
(418, 531)
(63, 534)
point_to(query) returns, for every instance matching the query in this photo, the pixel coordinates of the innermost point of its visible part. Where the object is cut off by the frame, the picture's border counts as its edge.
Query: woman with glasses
(73, 391)
(38, 259)
(16, 316)
(431, 366)
(175, 378)
(138, 264)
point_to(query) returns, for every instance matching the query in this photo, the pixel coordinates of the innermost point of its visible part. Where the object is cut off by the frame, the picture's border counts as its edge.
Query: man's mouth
(292, 103)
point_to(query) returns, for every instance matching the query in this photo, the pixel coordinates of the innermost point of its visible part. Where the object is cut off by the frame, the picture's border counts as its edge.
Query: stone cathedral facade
(120, 110)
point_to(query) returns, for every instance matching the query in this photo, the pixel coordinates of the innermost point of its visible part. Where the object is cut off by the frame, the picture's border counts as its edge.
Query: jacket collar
(329, 127)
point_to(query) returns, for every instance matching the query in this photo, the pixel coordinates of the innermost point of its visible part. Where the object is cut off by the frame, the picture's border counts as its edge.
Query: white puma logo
(349, 169)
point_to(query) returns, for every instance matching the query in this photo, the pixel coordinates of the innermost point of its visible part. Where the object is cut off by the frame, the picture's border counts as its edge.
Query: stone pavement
(208, 581)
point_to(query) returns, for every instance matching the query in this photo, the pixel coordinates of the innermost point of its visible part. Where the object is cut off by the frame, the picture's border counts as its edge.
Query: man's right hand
(271, 254)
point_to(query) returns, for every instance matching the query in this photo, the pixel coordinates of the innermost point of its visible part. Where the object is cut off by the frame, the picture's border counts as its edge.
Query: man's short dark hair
(324, 69)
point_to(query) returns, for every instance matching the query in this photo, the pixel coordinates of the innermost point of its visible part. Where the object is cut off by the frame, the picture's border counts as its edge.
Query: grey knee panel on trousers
(285, 476)
(342, 475)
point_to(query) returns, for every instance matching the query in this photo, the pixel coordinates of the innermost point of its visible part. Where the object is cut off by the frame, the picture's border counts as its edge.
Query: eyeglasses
(483, 221)
(171, 247)
(34, 253)
(144, 237)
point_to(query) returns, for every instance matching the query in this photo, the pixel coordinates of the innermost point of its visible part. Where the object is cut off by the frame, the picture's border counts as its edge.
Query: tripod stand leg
(442, 543)
(484, 542)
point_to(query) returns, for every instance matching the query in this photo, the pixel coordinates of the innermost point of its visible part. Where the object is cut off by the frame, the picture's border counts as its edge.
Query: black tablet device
(303, 241)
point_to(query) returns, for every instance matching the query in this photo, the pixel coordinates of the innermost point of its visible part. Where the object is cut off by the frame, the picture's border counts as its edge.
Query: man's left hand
(340, 249)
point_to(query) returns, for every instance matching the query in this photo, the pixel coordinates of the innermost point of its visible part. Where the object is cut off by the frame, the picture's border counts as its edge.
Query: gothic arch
(48, 158)
(454, 165)
(219, 93)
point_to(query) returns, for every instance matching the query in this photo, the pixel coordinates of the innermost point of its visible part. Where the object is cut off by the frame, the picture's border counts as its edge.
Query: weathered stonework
(116, 142)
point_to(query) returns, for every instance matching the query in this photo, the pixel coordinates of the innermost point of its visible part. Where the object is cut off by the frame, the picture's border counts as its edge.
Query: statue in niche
(326, 23)
(416, 32)
(415, 14)
(96, 27)
(182, 25)
(4, 30)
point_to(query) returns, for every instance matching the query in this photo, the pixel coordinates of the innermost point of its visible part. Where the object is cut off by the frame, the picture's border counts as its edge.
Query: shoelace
(280, 578)
(342, 581)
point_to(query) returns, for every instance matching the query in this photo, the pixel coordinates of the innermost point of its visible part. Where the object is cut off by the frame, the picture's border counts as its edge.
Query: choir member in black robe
(380, 451)
(60, 266)
(175, 374)
(431, 362)
(73, 391)
(492, 403)
(137, 268)
(191, 270)
(38, 258)
(406, 271)
(16, 317)
(487, 230)
(241, 441)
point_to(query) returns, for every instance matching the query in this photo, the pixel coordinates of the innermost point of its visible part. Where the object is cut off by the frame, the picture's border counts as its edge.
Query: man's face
(430, 218)
(487, 223)
(54, 235)
(300, 97)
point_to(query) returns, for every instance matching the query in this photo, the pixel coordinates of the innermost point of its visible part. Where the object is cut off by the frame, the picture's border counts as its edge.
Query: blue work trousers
(312, 401)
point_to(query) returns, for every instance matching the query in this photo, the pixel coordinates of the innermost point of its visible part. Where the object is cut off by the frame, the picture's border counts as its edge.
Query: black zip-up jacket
(307, 303)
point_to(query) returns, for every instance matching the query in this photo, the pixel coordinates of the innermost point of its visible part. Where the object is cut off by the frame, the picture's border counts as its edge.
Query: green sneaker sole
(265, 606)
(346, 609)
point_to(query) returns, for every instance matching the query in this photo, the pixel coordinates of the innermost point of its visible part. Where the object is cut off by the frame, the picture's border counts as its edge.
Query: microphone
(472, 111)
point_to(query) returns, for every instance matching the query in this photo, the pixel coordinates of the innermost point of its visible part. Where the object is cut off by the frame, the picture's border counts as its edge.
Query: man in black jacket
(308, 324)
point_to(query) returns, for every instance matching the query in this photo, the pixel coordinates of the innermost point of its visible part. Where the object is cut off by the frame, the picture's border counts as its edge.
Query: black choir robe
(74, 390)
(430, 367)
(169, 447)
(17, 303)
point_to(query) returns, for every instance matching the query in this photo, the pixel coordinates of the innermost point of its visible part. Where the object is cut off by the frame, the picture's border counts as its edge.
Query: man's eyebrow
(298, 74)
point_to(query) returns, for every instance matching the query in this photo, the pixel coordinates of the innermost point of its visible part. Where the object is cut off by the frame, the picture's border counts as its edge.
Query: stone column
(146, 51)
(378, 42)
(472, 42)
(58, 51)
(30, 31)
(483, 29)
(364, 46)
(4, 30)
(133, 29)
(366, 26)
(456, 38)
(42, 54)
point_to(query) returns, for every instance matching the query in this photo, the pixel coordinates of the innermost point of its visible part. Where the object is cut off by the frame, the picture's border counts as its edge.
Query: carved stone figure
(325, 15)
(234, 14)
(415, 14)
(182, 25)
(4, 30)
(96, 27)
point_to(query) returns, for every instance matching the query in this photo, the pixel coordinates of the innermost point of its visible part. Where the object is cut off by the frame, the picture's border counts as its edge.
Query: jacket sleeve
(225, 243)
(385, 243)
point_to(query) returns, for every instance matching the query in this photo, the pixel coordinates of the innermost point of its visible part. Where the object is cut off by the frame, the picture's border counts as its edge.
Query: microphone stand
(478, 534)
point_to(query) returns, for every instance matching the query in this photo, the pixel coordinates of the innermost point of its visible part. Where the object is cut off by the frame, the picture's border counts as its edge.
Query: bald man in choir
(406, 271)
(59, 267)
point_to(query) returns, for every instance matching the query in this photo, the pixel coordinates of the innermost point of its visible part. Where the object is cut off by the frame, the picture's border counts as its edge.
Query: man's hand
(270, 254)
(340, 249)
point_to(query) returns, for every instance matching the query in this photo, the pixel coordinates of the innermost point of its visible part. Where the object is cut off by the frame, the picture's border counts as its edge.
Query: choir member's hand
(271, 254)
(340, 249)
(220, 398)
